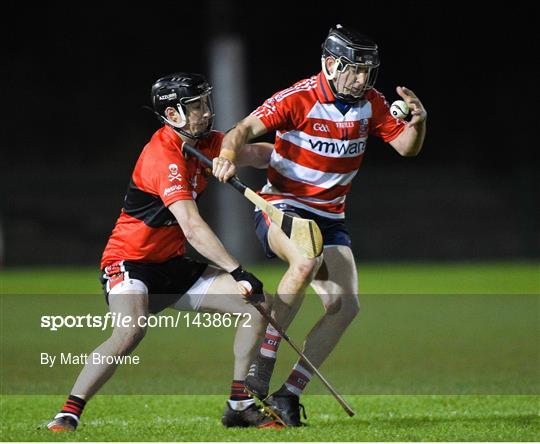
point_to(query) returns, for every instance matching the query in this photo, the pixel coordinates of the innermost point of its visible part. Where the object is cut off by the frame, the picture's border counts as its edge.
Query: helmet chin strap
(177, 126)
(179, 129)
(190, 135)
(329, 76)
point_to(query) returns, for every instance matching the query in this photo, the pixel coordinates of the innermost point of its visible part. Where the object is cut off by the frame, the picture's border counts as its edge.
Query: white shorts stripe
(337, 200)
(316, 211)
(194, 297)
(128, 285)
(270, 189)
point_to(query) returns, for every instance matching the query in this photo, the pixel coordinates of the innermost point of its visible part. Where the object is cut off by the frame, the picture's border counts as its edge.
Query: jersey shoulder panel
(383, 124)
(215, 138)
(287, 108)
(162, 169)
(377, 100)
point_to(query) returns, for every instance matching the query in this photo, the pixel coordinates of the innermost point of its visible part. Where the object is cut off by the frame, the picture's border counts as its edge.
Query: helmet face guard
(353, 53)
(189, 94)
(192, 112)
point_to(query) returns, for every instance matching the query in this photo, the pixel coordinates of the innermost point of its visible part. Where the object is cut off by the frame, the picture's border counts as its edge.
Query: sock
(239, 398)
(73, 407)
(297, 380)
(238, 391)
(270, 343)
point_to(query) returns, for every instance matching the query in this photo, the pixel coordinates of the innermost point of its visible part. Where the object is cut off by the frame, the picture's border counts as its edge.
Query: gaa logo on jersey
(174, 174)
(321, 127)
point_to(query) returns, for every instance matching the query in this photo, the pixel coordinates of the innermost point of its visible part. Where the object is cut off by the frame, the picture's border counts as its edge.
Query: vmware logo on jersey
(346, 148)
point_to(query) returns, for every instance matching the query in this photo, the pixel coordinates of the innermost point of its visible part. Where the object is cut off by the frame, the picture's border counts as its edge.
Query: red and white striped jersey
(318, 150)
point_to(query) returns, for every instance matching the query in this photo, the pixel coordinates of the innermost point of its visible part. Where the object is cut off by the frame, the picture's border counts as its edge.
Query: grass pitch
(192, 418)
(438, 353)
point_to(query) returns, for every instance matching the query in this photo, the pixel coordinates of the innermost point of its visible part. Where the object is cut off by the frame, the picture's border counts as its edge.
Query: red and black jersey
(146, 230)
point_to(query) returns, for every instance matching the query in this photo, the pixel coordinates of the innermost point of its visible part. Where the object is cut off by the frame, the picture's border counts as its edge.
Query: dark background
(76, 78)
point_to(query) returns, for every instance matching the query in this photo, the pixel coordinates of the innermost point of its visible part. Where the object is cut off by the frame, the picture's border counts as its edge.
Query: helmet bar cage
(340, 68)
(182, 111)
(351, 51)
(182, 91)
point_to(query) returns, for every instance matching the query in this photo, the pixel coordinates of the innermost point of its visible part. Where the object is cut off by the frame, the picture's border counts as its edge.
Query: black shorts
(166, 281)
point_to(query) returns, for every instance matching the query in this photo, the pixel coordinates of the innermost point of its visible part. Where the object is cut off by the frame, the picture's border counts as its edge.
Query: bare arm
(200, 235)
(256, 155)
(410, 141)
(233, 141)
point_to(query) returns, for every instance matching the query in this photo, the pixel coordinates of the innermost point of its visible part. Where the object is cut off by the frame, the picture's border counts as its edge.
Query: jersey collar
(172, 136)
(176, 141)
(323, 91)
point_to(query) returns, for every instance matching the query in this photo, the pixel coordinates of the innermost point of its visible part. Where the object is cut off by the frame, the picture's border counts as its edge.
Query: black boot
(258, 378)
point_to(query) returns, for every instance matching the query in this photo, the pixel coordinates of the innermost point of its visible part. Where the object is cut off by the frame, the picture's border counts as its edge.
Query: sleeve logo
(174, 174)
(172, 189)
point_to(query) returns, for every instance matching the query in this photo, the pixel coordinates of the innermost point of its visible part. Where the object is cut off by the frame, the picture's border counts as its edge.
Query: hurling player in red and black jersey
(322, 125)
(144, 267)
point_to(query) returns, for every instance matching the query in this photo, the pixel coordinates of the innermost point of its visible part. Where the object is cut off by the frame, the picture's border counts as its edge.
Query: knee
(305, 269)
(353, 308)
(126, 339)
(345, 310)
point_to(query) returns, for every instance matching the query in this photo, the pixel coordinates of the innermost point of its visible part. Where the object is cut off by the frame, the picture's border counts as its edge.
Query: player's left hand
(249, 286)
(223, 169)
(417, 110)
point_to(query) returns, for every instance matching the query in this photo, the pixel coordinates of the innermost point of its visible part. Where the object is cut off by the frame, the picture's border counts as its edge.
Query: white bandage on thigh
(129, 284)
(194, 297)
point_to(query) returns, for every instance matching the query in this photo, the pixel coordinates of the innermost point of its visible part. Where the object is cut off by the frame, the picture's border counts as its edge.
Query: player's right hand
(223, 169)
(249, 286)
(417, 110)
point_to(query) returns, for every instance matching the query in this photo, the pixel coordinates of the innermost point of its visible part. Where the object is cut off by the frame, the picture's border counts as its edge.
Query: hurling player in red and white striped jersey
(144, 269)
(322, 125)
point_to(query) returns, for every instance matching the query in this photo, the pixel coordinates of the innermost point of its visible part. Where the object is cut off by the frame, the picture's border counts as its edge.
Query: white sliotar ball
(247, 285)
(399, 109)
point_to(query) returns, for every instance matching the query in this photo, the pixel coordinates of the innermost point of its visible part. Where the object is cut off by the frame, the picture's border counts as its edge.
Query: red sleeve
(277, 112)
(170, 178)
(382, 123)
(215, 144)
